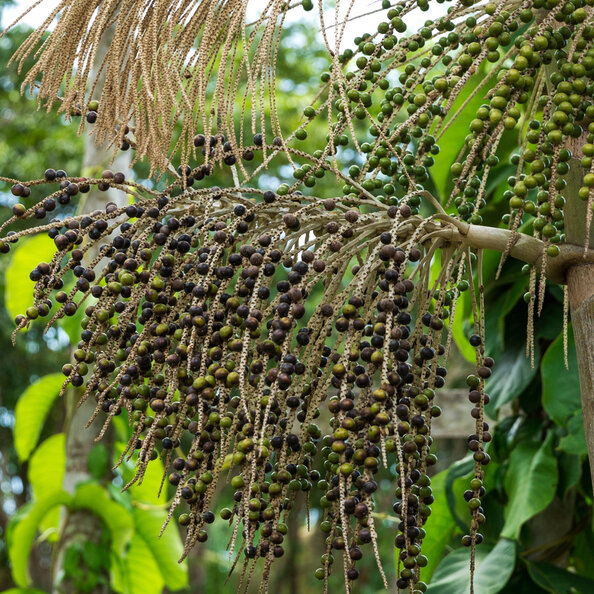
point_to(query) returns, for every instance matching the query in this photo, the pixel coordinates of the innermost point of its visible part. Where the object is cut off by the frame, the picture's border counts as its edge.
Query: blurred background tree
(27, 138)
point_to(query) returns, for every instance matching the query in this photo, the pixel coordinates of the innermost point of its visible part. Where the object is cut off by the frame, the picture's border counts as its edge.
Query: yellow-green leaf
(21, 536)
(31, 411)
(167, 549)
(19, 288)
(117, 518)
(148, 490)
(138, 572)
(46, 473)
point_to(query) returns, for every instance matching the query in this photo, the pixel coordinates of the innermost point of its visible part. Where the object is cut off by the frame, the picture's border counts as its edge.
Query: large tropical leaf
(511, 375)
(46, 473)
(117, 518)
(18, 293)
(166, 550)
(559, 581)
(98, 461)
(530, 483)
(440, 526)
(561, 396)
(583, 545)
(575, 440)
(493, 568)
(148, 490)
(570, 472)
(31, 411)
(505, 298)
(22, 534)
(138, 572)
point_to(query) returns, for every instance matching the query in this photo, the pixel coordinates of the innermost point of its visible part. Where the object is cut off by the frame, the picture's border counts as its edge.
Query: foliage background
(539, 535)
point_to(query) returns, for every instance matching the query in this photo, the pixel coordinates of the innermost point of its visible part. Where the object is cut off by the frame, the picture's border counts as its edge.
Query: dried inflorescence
(223, 320)
(162, 62)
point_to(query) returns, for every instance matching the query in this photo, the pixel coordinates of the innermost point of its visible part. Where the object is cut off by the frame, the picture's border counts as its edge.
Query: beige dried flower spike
(169, 64)
(229, 317)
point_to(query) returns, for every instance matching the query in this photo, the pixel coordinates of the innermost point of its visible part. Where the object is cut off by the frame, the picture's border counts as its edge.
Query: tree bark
(580, 283)
(81, 526)
(580, 287)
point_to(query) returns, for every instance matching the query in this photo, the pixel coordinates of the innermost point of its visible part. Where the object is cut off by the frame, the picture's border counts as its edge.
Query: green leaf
(506, 296)
(72, 564)
(461, 468)
(117, 518)
(166, 550)
(497, 183)
(138, 572)
(557, 580)
(98, 460)
(47, 465)
(46, 473)
(461, 326)
(22, 591)
(31, 411)
(23, 533)
(123, 431)
(95, 556)
(570, 472)
(561, 396)
(18, 287)
(510, 377)
(493, 569)
(583, 545)
(71, 324)
(148, 490)
(575, 440)
(440, 526)
(530, 483)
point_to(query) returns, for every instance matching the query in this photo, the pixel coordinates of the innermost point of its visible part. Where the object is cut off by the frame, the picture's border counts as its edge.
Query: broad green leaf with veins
(493, 568)
(166, 550)
(559, 581)
(117, 518)
(31, 411)
(530, 483)
(560, 385)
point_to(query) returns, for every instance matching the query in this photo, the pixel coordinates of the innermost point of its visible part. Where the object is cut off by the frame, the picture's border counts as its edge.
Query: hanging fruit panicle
(196, 323)
(223, 320)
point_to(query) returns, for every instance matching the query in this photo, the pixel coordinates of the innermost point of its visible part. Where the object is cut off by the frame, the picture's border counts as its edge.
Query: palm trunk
(580, 281)
(580, 285)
